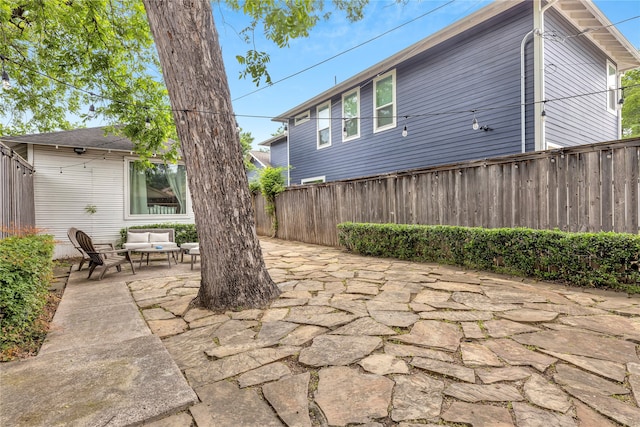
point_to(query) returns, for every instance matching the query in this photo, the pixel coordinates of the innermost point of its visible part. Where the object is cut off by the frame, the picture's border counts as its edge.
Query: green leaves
(631, 106)
(271, 183)
(281, 22)
(64, 55)
(25, 273)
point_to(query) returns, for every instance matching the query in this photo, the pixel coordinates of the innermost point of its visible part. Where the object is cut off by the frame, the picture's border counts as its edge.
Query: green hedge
(585, 259)
(184, 232)
(25, 273)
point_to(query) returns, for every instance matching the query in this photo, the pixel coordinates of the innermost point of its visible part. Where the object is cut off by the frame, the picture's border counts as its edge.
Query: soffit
(596, 26)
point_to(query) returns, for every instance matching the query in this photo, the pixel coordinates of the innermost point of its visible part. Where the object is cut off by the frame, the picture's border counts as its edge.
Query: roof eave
(618, 48)
(268, 142)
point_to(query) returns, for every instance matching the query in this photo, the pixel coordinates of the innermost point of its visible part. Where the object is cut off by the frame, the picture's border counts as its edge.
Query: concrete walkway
(351, 341)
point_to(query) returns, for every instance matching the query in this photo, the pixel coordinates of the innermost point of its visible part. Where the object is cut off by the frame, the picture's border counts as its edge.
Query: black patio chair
(71, 234)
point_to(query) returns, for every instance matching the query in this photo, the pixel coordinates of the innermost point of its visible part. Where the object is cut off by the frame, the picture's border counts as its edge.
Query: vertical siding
(253, 173)
(279, 154)
(479, 68)
(61, 198)
(573, 66)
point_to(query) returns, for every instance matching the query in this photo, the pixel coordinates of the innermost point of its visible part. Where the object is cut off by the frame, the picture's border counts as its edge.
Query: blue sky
(337, 35)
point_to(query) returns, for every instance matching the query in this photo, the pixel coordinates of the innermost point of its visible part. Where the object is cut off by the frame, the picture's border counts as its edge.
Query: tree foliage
(63, 56)
(246, 139)
(631, 106)
(281, 22)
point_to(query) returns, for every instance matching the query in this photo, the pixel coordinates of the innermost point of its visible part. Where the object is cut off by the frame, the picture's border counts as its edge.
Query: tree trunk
(233, 270)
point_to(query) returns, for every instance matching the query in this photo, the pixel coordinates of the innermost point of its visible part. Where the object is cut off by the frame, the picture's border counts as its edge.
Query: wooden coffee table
(170, 251)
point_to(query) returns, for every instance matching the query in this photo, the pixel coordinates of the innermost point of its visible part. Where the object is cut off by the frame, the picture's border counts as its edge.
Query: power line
(558, 37)
(344, 51)
(471, 110)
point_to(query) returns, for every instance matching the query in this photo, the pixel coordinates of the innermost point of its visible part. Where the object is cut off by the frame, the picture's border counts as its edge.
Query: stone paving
(379, 342)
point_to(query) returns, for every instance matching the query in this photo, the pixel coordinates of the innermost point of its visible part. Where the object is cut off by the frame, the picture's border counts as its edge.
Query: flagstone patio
(351, 341)
(378, 342)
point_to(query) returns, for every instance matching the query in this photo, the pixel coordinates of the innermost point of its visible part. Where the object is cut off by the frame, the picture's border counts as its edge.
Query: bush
(584, 259)
(272, 183)
(25, 274)
(184, 232)
(254, 186)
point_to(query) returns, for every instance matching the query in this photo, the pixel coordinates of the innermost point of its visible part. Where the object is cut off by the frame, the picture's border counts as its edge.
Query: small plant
(254, 186)
(271, 184)
(90, 209)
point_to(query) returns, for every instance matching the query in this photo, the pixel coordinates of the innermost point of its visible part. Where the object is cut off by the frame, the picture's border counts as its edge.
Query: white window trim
(313, 179)
(318, 108)
(553, 145)
(613, 110)
(302, 118)
(357, 118)
(127, 200)
(375, 117)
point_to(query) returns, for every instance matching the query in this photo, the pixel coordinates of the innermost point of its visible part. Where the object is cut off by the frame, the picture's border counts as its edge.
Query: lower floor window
(314, 180)
(160, 190)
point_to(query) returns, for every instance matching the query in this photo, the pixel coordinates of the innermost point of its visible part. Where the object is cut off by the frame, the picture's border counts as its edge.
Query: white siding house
(69, 186)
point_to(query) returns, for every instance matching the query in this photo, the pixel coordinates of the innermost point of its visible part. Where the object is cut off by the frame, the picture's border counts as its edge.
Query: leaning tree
(64, 54)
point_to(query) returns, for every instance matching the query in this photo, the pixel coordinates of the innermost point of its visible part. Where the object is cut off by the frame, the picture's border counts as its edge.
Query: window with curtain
(350, 114)
(384, 102)
(160, 190)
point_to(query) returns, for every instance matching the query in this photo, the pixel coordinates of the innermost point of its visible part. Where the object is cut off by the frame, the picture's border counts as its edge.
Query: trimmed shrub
(25, 273)
(184, 232)
(584, 259)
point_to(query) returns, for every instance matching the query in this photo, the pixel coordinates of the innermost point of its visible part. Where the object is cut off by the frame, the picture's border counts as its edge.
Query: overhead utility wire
(93, 94)
(588, 30)
(472, 110)
(344, 51)
(554, 36)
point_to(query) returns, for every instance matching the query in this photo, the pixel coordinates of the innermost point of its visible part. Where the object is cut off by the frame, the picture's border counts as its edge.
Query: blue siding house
(278, 152)
(515, 76)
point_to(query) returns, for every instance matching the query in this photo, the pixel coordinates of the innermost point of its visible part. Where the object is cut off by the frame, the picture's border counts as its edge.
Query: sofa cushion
(158, 237)
(134, 246)
(138, 237)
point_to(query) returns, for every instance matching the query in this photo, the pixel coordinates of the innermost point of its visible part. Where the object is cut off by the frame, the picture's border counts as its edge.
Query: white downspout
(539, 78)
(620, 96)
(288, 161)
(522, 92)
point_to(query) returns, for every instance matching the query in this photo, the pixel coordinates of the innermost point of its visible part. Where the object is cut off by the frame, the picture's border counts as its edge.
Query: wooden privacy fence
(586, 188)
(17, 206)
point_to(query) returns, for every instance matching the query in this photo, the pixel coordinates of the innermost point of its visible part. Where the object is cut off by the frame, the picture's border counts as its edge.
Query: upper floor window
(384, 101)
(301, 118)
(324, 124)
(612, 88)
(160, 190)
(351, 114)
